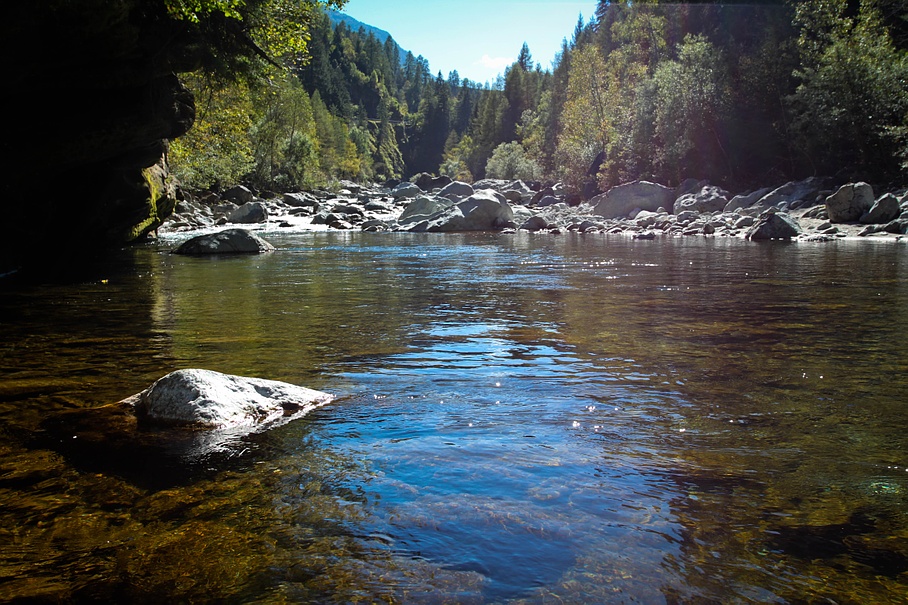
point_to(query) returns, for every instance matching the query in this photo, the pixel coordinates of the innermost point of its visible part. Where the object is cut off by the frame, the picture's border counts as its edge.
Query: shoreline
(511, 206)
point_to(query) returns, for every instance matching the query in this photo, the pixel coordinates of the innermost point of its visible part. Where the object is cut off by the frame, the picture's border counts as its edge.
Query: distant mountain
(354, 25)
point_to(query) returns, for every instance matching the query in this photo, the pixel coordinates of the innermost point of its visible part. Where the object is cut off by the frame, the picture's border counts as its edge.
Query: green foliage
(691, 100)
(510, 161)
(217, 150)
(737, 93)
(284, 138)
(851, 107)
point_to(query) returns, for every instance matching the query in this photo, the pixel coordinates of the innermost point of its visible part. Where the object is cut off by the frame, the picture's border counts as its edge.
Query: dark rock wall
(91, 100)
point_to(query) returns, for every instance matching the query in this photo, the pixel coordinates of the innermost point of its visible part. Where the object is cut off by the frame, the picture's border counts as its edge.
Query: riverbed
(520, 418)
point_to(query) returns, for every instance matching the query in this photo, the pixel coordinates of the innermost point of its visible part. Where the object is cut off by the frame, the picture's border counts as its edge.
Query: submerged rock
(228, 241)
(212, 400)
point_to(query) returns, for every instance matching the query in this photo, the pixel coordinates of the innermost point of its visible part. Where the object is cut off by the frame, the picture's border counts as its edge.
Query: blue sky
(478, 38)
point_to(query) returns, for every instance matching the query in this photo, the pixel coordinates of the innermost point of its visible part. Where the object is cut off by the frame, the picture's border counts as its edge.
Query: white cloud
(497, 63)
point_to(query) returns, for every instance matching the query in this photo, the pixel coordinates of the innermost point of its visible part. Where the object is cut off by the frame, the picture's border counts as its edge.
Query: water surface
(521, 419)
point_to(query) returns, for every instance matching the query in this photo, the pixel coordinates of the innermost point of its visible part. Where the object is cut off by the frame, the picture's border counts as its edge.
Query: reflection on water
(526, 419)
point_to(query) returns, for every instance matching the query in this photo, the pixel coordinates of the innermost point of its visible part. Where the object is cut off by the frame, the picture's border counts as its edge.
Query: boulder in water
(212, 400)
(228, 241)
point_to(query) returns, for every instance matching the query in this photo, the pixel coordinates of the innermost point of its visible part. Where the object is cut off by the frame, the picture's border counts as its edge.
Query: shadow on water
(108, 440)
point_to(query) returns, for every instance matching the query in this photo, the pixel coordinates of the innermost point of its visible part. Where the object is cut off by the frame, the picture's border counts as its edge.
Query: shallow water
(521, 418)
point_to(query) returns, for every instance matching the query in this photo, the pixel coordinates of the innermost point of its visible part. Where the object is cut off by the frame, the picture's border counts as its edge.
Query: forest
(740, 94)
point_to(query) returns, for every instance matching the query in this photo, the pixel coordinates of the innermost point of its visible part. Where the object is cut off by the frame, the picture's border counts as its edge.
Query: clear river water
(519, 419)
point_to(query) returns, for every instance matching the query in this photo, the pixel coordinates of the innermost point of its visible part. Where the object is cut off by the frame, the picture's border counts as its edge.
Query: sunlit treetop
(239, 33)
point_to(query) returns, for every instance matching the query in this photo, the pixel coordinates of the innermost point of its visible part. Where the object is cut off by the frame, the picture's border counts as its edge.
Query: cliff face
(92, 100)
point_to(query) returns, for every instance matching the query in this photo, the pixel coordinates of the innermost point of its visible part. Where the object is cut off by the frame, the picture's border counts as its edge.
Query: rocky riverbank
(809, 210)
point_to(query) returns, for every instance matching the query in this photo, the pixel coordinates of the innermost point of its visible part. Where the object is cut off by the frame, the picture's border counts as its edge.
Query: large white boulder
(485, 210)
(212, 400)
(620, 201)
(849, 203)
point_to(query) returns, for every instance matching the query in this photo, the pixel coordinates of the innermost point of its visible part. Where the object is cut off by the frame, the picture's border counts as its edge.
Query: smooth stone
(208, 399)
(228, 241)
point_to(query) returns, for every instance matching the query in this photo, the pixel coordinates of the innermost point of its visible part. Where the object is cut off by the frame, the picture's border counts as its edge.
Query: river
(520, 419)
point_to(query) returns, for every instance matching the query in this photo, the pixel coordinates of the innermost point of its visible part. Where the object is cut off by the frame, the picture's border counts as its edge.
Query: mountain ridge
(354, 24)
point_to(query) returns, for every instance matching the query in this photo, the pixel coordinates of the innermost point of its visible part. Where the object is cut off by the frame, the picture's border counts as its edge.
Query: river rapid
(521, 418)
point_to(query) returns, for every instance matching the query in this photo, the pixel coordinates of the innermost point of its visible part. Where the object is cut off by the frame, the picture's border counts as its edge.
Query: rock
(406, 190)
(534, 223)
(428, 182)
(252, 212)
(239, 195)
(377, 206)
(687, 216)
(899, 225)
(791, 192)
(548, 200)
(621, 200)
(495, 184)
(229, 241)
(689, 186)
(773, 225)
(707, 199)
(745, 221)
(350, 186)
(746, 200)
(301, 200)
(99, 147)
(884, 210)
(422, 208)
(211, 400)
(344, 208)
(849, 203)
(514, 196)
(456, 189)
(482, 211)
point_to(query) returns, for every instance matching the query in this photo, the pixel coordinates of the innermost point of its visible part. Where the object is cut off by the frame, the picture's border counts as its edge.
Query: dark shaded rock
(772, 225)
(899, 225)
(229, 241)
(239, 195)
(94, 105)
(884, 210)
(534, 223)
